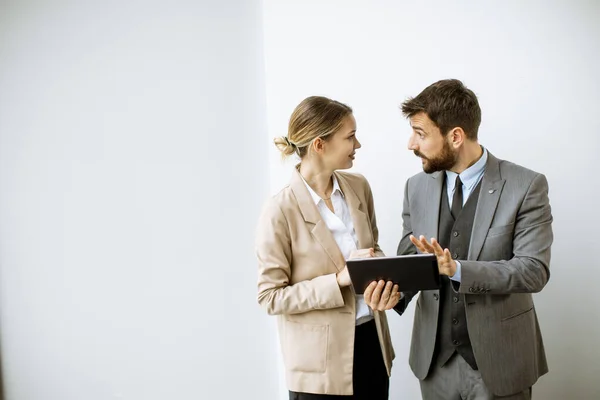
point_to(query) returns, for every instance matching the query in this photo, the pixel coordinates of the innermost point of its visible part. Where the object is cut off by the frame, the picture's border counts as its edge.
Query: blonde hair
(315, 117)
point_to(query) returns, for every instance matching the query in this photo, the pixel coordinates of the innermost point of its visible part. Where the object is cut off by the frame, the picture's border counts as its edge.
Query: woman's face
(339, 150)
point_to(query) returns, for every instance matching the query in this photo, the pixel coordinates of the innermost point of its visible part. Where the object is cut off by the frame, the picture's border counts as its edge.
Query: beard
(443, 161)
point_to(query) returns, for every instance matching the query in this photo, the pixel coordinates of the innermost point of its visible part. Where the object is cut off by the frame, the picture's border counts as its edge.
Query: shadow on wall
(1, 380)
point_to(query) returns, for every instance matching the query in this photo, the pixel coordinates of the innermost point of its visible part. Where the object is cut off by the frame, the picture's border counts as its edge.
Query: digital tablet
(411, 273)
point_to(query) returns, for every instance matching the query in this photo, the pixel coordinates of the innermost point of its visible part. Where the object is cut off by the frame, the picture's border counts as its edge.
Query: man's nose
(412, 145)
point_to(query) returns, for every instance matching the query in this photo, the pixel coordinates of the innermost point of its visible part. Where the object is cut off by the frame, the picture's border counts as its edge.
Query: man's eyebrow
(416, 128)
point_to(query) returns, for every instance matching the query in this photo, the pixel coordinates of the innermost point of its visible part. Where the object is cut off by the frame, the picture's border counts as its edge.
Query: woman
(333, 344)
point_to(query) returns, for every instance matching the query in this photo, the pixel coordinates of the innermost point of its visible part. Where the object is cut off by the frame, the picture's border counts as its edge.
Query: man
(488, 222)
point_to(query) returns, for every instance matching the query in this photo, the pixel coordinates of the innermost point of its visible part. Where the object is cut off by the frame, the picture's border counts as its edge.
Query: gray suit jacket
(509, 257)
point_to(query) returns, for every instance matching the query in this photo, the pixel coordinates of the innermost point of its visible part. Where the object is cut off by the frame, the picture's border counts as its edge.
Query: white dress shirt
(342, 227)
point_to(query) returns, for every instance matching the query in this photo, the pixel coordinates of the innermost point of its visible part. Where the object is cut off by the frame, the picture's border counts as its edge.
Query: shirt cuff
(456, 276)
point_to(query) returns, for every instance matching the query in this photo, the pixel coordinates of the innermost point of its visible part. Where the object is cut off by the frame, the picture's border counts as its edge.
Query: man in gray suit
(488, 221)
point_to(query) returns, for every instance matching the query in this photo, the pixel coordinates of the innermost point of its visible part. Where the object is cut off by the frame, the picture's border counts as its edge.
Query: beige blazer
(298, 259)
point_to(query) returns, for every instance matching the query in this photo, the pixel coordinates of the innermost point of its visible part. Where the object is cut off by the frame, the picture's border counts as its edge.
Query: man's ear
(457, 137)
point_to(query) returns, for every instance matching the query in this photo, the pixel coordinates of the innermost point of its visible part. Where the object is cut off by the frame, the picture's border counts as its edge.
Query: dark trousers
(370, 380)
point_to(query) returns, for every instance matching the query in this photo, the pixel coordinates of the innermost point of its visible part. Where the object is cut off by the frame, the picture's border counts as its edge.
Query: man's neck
(470, 154)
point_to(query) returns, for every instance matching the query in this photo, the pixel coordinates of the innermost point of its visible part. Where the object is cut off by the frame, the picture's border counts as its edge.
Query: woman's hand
(343, 277)
(382, 296)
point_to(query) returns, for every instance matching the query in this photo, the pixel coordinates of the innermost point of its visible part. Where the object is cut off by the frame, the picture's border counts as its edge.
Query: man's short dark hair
(449, 104)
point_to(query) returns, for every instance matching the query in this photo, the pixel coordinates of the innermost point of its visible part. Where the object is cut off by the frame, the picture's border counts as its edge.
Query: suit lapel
(362, 228)
(491, 188)
(431, 216)
(312, 217)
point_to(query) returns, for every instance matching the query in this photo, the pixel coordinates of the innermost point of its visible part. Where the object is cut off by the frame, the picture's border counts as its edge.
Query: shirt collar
(316, 198)
(470, 176)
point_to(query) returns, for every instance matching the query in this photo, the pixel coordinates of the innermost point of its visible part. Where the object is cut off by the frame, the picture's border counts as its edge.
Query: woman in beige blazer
(333, 344)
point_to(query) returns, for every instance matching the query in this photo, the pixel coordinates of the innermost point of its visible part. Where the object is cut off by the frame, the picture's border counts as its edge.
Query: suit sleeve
(274, 252)
(405, 247)
(528, 270)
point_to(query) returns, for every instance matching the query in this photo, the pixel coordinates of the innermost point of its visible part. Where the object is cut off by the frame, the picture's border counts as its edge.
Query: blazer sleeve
(405, 247)
(274, 253)
(528, 270)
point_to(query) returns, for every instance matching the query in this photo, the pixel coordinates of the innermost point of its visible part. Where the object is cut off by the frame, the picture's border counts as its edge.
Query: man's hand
(446, 265)
(343, 277)
(382, 296)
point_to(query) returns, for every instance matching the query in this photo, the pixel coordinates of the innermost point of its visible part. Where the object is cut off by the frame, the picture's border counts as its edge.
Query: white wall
(131, 178)
(534, 66)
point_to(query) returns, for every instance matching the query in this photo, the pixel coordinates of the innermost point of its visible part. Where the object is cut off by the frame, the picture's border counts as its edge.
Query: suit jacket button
(436, 296)
(455, 342)
(455, 255)
(455, 233)
(455, 299)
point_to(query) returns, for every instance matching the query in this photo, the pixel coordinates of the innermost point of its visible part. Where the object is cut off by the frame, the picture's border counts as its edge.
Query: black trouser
(370, 380)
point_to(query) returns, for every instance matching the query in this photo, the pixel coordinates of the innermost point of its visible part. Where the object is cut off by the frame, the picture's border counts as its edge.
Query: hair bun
(284, 145)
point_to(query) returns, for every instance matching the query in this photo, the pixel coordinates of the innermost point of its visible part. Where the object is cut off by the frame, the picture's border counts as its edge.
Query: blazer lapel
(362, 228)
(311, 216)
(491, 188)
(431, 215)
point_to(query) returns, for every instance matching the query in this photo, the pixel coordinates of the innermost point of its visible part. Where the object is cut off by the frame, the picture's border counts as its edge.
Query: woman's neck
(317, 178)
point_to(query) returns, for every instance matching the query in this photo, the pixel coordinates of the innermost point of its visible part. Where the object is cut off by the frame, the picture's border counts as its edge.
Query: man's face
(427, 142)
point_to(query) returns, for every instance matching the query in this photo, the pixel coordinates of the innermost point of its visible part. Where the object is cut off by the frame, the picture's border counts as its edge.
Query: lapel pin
(491, 191)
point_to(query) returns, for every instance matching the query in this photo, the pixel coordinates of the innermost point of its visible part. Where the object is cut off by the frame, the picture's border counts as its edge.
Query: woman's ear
(317, 145)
